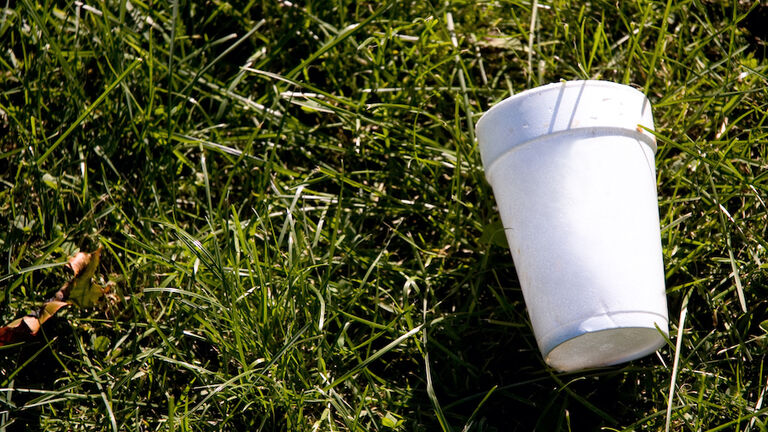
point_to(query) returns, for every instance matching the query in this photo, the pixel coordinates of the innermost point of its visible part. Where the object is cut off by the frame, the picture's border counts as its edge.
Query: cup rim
(555, 86)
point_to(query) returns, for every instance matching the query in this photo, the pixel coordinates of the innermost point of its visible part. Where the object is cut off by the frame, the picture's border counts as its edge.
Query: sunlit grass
(297, 228)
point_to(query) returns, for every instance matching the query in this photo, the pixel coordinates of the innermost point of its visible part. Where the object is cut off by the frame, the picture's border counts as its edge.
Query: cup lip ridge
(495, 138)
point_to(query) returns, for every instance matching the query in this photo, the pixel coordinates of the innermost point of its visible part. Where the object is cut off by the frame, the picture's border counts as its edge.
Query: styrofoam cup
(572, 168)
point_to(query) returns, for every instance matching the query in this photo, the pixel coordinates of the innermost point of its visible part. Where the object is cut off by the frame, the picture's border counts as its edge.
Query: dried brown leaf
(86, 296)
(33, 324)
(19, 330)
(79, 290)
(84, 266)
(50, 308)
(83, 263)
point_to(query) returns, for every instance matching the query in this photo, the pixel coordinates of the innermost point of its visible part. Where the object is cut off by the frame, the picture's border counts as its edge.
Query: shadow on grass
(39, 370)
(488, 374)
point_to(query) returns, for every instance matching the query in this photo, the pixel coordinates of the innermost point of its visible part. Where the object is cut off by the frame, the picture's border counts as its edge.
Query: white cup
(572, 169)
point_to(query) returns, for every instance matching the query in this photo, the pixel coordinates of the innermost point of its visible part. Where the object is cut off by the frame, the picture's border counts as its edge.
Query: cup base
(604, 348)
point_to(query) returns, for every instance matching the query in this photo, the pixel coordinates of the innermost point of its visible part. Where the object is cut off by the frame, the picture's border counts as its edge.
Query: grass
(298, 232)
